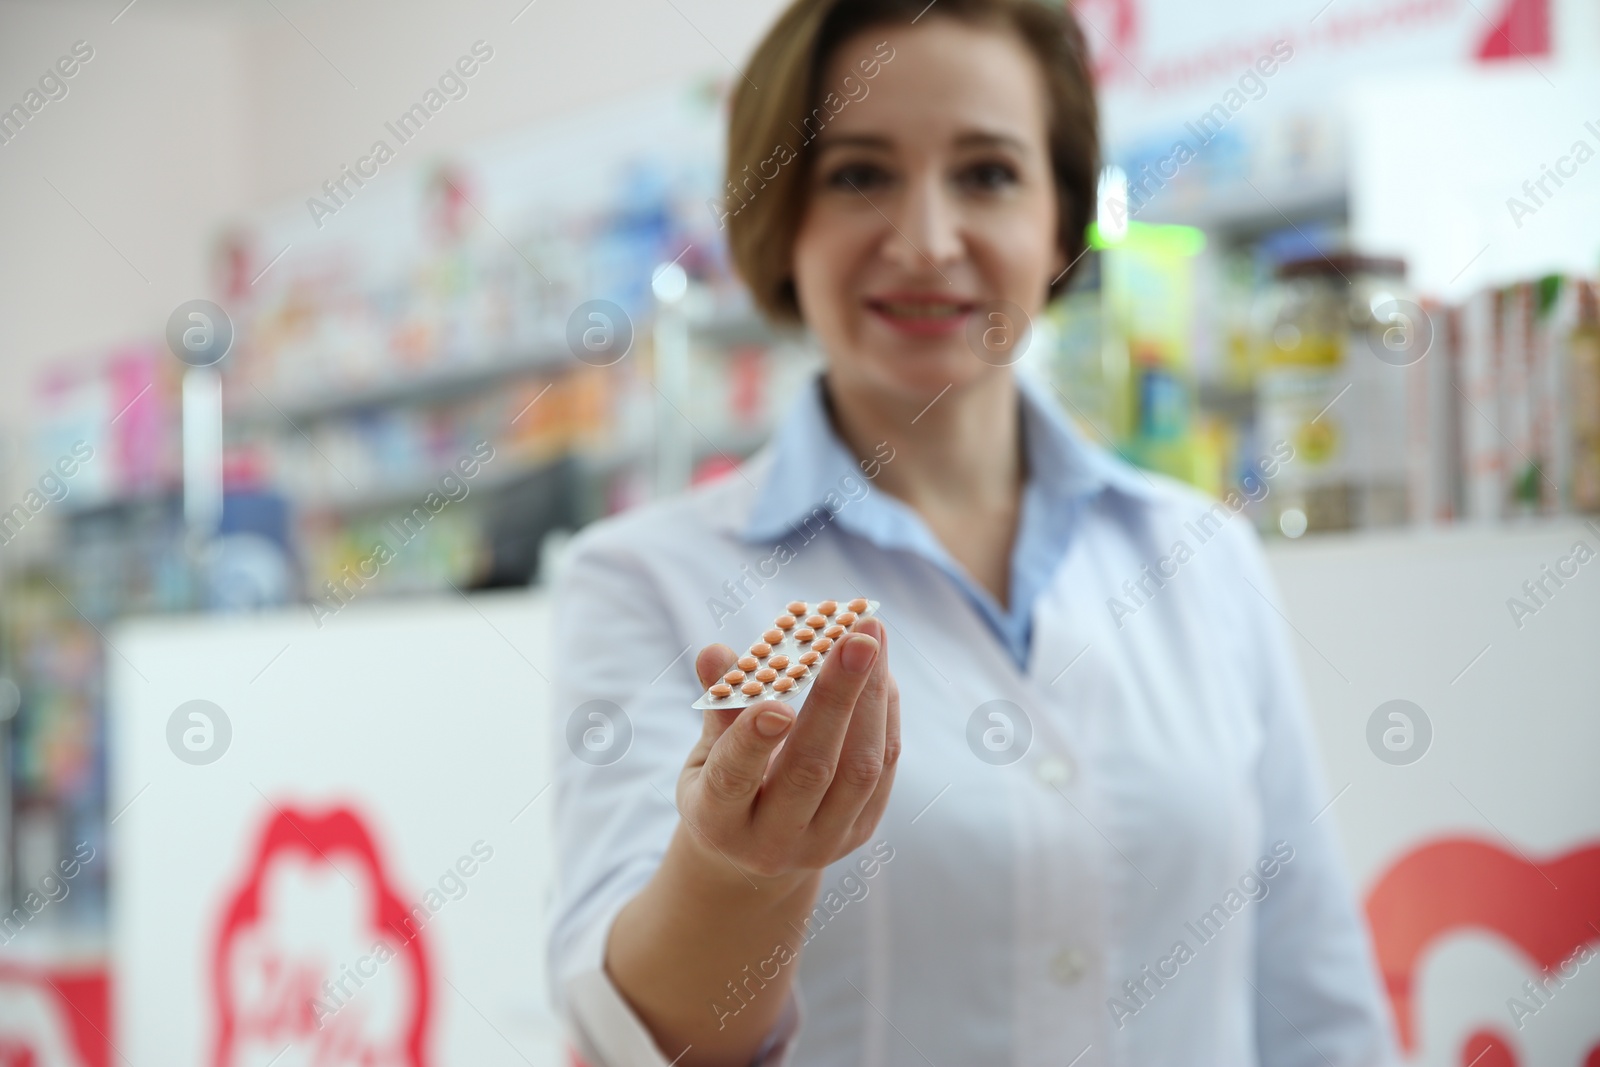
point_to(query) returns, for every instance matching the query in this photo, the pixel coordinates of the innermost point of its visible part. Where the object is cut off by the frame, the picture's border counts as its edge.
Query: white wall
(146, 146)
(1436, 158)
(305, 120)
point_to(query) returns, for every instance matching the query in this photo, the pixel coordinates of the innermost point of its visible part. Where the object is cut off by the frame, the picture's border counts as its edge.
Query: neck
(962, 450)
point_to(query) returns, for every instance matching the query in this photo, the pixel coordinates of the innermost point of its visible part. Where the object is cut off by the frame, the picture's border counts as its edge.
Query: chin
(912, 370)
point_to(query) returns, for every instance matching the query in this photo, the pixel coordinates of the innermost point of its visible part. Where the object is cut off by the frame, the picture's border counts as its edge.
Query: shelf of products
(1391, 408)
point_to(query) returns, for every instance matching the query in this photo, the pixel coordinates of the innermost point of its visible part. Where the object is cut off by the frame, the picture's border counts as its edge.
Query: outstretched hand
(779, 795)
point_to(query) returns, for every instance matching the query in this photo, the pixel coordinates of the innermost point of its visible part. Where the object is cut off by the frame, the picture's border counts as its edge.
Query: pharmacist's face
(930, 196)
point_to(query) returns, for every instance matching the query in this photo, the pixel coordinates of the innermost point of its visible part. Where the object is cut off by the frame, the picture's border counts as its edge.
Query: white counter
(423, 722)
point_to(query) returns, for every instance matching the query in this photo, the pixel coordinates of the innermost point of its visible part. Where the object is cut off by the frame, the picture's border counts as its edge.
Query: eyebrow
(976, 138)
(853, 140)
(990, 140)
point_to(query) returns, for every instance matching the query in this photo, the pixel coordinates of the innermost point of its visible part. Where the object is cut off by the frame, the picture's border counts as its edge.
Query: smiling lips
(922, 313)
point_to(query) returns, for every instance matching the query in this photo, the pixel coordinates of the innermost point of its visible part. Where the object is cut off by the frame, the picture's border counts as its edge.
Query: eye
(860, 175)
(989, 177)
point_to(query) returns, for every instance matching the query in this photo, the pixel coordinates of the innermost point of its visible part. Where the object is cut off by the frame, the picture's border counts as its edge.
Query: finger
(802, 773)
(713, 662)
(860, 765)
(873, 810)
(736, 764)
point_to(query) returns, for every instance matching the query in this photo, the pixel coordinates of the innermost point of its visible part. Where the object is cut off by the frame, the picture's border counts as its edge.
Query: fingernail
(772, 722)
(859, 652)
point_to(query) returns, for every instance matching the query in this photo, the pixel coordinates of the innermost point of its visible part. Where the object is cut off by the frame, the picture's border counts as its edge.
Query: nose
(925, 228)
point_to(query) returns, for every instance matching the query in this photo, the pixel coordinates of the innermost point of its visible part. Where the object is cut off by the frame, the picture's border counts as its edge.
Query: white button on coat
(1067, 966)
(1053, 772)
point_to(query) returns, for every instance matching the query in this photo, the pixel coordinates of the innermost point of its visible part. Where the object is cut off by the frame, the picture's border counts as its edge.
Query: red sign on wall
(54, 1017)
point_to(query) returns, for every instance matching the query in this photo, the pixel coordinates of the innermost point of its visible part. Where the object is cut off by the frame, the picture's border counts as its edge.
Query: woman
(1060, 832)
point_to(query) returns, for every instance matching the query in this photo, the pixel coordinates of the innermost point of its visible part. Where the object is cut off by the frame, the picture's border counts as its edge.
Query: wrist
(708, 872)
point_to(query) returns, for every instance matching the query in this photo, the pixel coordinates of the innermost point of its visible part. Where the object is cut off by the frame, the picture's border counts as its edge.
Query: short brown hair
(762, 212)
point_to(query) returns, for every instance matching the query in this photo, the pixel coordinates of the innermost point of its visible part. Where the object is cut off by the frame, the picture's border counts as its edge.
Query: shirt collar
(812, 468)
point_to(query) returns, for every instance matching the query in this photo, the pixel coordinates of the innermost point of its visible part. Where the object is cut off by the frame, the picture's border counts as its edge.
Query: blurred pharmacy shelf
(442, 380)
(435, 384)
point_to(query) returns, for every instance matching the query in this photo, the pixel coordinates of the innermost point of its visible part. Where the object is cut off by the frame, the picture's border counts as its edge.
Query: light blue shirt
(810, 461)
(1107, 842)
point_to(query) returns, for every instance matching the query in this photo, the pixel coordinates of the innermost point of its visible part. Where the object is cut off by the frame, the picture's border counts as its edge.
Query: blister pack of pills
(785, 660)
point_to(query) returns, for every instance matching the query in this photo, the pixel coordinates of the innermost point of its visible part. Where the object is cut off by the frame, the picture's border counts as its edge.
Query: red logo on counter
(317, 951)
(54, 1018)
(1550, 911)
